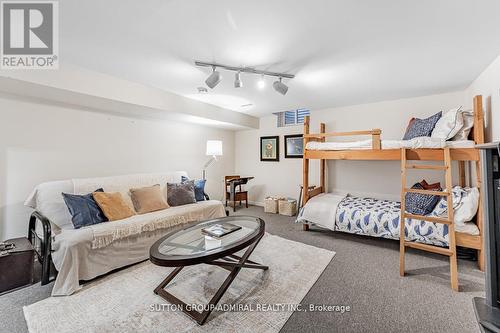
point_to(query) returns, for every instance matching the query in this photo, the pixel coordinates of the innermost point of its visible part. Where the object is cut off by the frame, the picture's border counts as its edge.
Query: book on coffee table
(220, 230)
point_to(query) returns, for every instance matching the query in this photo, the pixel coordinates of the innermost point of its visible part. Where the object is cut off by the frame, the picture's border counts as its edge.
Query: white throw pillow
(463, 133)
(465, 205)
(468, 206)
(448, 125)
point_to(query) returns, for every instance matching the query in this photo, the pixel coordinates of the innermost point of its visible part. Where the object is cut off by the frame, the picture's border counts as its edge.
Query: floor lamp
(214, 149)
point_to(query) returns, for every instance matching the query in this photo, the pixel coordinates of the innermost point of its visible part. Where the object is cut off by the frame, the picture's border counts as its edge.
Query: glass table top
(192, 241)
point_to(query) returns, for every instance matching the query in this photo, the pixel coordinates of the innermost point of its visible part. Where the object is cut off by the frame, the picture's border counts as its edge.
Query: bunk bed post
(452, 245)
(376, 143)
(478, 135)
(402, 219)
(478, 128)
(461, 174)
(322, 162)
(305, 171)
(479, 218)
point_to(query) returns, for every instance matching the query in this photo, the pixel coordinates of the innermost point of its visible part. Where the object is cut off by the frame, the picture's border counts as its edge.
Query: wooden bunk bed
(462, 155)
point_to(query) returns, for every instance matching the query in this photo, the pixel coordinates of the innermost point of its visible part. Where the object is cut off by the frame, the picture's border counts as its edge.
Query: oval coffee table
(189, 246)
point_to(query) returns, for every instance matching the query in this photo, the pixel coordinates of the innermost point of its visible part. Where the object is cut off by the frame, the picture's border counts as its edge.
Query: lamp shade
(214, 147)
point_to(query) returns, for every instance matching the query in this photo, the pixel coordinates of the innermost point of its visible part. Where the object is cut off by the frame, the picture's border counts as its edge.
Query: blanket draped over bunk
(382, 218)
(373, 217)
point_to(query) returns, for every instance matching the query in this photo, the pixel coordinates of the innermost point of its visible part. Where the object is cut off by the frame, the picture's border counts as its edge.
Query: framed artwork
(270, 148)
(294, 146)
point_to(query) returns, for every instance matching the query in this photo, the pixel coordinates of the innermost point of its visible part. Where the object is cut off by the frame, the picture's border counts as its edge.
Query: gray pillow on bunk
(422, 127)
(421, 204)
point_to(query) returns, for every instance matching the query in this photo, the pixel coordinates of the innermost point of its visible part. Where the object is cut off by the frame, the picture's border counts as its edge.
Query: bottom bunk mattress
(375, 217)
(381, 218)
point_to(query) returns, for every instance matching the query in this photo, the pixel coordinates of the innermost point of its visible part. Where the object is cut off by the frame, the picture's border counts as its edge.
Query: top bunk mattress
(417, 143)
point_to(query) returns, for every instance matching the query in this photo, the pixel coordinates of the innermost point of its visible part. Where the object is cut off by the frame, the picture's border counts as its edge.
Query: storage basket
(287, 207)
(271, 204)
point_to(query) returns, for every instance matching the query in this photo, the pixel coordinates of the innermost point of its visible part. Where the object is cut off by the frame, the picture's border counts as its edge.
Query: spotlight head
(213, 79)
(280, 87)
(237, 81)
(261, 84)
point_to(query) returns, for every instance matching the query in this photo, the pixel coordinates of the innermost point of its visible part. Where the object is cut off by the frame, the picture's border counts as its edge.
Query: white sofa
(77, 254)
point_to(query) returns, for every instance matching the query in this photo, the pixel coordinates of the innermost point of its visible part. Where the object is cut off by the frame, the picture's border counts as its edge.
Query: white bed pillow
(468, 207)
(468, 120)
(465, 205)
(448, 125)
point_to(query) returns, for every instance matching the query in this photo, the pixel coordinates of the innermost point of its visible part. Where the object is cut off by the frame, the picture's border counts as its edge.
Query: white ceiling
(342, 52)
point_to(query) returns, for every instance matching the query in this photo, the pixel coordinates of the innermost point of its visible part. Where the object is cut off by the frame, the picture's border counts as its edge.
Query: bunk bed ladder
(451, 251)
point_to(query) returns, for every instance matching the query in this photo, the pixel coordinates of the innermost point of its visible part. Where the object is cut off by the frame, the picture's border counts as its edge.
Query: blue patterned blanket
(381, 218)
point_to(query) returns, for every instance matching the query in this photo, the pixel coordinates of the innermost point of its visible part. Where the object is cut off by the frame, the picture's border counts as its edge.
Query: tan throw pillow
(112, 205)
(147, 199)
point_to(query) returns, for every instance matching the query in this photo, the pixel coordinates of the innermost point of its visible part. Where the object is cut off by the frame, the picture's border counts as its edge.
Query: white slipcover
(73, 255)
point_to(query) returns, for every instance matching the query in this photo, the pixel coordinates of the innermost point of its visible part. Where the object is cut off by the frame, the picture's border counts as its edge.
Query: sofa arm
(44, 251)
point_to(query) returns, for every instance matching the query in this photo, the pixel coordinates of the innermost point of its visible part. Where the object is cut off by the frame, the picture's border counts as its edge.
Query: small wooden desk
(232, 188)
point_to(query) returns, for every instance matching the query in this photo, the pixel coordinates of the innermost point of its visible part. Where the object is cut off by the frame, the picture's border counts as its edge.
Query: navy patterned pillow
(421, 204)
(83, 209)
(422, 127)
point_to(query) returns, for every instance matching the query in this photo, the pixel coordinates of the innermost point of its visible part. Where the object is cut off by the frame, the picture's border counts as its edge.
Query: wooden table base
(232, 263)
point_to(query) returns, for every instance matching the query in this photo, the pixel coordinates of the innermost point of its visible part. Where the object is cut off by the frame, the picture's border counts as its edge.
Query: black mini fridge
(488, 309)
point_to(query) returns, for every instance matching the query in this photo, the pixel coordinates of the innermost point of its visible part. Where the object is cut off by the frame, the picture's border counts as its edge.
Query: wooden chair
(239, 194)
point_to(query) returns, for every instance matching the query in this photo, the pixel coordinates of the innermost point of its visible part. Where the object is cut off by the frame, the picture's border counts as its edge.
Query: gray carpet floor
(364, 274)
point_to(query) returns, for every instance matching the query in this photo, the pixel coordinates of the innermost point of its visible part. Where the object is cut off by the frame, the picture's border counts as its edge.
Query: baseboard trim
(256, 203)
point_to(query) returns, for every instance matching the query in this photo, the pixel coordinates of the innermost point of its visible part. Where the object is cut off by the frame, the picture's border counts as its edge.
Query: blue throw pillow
(199, 188)
(421, 204)
(422, 127)
(83, 209)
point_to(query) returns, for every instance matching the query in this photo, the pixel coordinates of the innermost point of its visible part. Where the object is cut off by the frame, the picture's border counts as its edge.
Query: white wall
(42, 142)
(378, 178)
(488, 85)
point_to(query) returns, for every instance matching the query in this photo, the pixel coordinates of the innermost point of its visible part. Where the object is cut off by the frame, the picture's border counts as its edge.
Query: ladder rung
(429, 167)
(427, 218)
(429, 248)
(429, 192)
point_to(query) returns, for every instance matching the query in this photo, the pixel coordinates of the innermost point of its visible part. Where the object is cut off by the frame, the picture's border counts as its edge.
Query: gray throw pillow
(181, 193)
(422, 127)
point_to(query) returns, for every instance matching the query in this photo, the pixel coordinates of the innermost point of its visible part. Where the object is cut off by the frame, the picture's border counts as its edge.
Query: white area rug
(125, 302)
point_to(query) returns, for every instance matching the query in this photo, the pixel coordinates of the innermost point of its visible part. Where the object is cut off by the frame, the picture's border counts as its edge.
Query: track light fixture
(215, 76)
(237, 80)
(280, 87)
